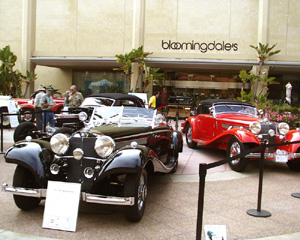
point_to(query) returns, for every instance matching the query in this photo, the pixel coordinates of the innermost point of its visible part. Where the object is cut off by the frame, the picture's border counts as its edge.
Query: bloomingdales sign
(203, 47)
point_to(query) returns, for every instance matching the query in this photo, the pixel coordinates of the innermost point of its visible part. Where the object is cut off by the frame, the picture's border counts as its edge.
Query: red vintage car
(27, 105)
(235, 127)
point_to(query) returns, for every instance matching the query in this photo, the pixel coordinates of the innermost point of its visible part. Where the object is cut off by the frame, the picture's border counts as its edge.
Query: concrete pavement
(171, 211)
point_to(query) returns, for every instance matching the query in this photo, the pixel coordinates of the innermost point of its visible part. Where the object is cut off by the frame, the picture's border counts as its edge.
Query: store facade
(200, 45)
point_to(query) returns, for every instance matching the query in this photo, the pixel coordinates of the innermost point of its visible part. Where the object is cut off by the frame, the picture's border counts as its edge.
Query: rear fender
(177, 141)
(30, 155)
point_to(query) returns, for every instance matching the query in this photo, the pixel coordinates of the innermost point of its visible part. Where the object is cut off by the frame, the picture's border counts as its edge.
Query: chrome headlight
(104, 146)
(59, 143)
(283, 128)
(255, 127)
(159, 119)
(83, 116)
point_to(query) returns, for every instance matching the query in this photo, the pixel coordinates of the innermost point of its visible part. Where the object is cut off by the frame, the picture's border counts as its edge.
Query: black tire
(28, 115)
(6, 119)
(235, 147)
(188, 137)
(64, 130)
(294, 165)
(25, 129)
(24, 178)
(136, 186)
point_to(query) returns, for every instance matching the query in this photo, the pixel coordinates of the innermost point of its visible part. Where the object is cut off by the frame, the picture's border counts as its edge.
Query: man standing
(75, 99)
(47, 104)
(38, 107)
(152, 100)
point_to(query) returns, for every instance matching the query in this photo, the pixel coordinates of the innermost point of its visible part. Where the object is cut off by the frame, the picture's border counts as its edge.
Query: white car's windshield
(105, 115)
(231, 108)
(91, 102)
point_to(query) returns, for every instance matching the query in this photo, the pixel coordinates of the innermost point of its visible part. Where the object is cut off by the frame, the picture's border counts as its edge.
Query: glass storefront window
(92, 82)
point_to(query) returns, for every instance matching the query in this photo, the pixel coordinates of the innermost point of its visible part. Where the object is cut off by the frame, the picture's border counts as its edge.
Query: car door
(206, 124)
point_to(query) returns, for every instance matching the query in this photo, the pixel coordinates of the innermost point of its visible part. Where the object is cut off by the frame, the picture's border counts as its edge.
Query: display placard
(61, 207)
(215, 232)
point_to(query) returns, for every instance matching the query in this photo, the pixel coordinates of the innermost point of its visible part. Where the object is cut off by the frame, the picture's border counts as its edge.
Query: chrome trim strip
(258, 155)
(88, 158)
(159, 166)
(86, 197)
(141, 134)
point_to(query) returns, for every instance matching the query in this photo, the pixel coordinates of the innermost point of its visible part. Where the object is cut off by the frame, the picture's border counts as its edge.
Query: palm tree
(136, 55)
(264, 52)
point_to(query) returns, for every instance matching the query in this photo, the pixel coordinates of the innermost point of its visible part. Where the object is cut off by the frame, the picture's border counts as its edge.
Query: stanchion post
(1, 132)
(202, 175)
(258, 212)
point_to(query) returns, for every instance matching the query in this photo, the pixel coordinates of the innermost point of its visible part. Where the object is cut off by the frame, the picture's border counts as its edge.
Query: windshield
(107, 115)
(94, 101)
(231, 108)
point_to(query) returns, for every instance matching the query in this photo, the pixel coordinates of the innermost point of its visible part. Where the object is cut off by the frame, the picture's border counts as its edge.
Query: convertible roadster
(235, 127)
(111, 157)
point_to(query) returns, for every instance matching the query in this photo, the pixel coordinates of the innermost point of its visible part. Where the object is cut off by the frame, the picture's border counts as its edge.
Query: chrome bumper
(271, 155)
(86, 197)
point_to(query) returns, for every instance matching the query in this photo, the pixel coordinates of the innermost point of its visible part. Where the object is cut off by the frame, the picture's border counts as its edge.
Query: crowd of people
(44, 103)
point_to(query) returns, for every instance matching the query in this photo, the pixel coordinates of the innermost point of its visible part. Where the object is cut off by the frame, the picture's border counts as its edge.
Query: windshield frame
(234, 108)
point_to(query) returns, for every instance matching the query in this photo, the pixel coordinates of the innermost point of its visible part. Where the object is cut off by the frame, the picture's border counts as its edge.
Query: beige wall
(284, 28)
(93, 28)
(58, 78)
(11, 27)
(232, 21)
(83, 27)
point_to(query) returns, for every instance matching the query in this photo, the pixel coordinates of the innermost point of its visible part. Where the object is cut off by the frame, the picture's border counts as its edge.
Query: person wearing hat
(38, 107)
(47, 104)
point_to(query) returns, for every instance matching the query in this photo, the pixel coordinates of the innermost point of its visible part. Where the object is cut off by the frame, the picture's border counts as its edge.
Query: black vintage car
(111, 157)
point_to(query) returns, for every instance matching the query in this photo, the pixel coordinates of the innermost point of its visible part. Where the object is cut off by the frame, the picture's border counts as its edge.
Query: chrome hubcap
(235, 149)
(189, 134)
(142, 192)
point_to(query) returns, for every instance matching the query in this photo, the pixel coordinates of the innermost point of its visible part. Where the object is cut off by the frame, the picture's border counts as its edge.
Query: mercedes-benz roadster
(235, 127)
(111, 157)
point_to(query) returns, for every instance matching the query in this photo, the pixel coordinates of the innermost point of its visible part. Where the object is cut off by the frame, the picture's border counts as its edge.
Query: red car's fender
(57, 107)
(293, 136)
(243, 135)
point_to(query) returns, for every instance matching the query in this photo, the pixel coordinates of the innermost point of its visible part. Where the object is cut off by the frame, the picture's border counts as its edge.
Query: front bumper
(86, 197)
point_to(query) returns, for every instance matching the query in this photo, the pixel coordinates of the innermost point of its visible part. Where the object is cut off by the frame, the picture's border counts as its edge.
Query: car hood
(117, 130)
(237, 118)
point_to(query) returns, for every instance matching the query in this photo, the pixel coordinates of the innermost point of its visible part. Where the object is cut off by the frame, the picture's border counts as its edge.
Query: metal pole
(202, 175)
(1, 132)
(258, 212)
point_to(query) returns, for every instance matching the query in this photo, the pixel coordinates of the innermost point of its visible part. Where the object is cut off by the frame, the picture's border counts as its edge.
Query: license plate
(281, 158)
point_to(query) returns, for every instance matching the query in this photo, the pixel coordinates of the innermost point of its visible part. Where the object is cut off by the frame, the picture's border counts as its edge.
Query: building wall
(11, 27)
(93, 28)
(59, 78)
(83, 28)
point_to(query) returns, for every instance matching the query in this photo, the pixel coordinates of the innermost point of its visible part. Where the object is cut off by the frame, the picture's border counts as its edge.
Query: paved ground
(171, 211)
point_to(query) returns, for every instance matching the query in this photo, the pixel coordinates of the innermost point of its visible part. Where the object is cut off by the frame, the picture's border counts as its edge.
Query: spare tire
(25, 129)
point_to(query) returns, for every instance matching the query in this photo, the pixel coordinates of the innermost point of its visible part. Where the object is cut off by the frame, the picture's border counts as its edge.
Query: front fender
(29, 155)
(293, 136)
(127, 160)
(242, 135)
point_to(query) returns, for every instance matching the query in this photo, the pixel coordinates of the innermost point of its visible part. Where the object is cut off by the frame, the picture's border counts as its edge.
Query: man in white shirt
(38, 107)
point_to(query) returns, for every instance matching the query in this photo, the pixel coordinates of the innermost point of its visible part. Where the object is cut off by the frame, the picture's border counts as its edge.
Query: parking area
(171, 211)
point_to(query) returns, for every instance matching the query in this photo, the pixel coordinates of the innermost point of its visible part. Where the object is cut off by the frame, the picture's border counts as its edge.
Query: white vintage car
(8, 105)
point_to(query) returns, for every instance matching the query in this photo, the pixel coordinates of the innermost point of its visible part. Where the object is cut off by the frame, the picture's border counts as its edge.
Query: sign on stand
(61, 207)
